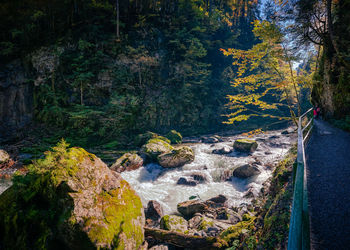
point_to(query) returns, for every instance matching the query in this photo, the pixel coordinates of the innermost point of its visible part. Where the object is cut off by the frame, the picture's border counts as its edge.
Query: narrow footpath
(328, 174)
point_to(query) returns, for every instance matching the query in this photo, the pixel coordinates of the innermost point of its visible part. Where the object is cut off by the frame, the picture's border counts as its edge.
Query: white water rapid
(152, 182)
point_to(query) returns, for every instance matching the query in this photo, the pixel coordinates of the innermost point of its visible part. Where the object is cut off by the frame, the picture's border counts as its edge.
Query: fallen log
(185, 240)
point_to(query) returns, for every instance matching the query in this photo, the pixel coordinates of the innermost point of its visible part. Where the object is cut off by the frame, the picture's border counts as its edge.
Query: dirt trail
(328, 171)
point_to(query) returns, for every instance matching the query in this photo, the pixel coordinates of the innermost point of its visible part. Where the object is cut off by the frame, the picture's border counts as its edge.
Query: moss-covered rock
(236, 231)
(174, 137)
(174, 223)
(70, 200)
(142, 139)
(127, 162)
(155, 147)
(176, 158)
(245, 145)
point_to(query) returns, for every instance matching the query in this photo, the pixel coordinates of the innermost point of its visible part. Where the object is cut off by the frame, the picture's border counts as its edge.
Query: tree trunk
(81, 94)
(117, 10)
(185, 240)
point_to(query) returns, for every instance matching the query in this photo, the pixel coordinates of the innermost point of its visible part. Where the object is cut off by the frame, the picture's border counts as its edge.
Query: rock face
(176, 158)
(155, 147)
(16, 99)
(246, 171)
(127, 162)
(174, 137)
(71, 199)
(245, 145)
(173, 223)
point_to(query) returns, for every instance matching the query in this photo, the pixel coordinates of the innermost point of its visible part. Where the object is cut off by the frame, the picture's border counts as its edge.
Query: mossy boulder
(174, 137)
(176, 158)
(142, 139)
(155, 147)
(174, 223)
(70, 200)
(127, 162)
(245, 145)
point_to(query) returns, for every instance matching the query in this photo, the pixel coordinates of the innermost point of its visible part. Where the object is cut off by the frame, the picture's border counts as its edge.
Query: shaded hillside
(111, 70)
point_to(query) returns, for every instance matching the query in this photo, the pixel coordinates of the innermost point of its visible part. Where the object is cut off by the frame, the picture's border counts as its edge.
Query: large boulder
(155, 147)
(70, 200)
(127, 162)
(246, 170)
(245, 145)
(176, 158)
(174, 223)
(174, 137)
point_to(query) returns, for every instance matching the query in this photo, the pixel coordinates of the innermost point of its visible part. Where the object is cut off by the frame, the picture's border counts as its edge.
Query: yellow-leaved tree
(265, 78)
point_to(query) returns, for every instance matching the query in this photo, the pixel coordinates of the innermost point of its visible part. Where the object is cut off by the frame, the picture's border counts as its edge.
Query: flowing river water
(152, 182)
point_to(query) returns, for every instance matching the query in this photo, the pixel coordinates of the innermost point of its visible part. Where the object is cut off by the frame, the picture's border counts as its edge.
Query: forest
(129, 124)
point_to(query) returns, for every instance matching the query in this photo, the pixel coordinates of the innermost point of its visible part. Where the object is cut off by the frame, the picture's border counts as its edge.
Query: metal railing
(299, 228)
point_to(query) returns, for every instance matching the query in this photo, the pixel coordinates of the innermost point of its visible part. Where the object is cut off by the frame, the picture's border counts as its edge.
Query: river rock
(186, 182)
(174, 137)
(222, 151)
(219, 199)
(245, 145)
(189, 208)
(73, 198)
(156, 147)
(127, 162)
(210, 139)
(4, 157)
(199, 177)
(246, 171)
(173, 223)
(176, 158)
(154, 212)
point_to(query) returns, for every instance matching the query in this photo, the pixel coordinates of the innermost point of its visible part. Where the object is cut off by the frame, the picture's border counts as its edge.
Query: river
(152, 182)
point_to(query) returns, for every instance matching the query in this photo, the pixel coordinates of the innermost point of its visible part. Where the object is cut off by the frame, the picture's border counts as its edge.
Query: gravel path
(328, 171)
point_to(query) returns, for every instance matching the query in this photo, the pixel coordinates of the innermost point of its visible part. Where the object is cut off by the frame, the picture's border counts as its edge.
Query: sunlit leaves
(262, 71)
